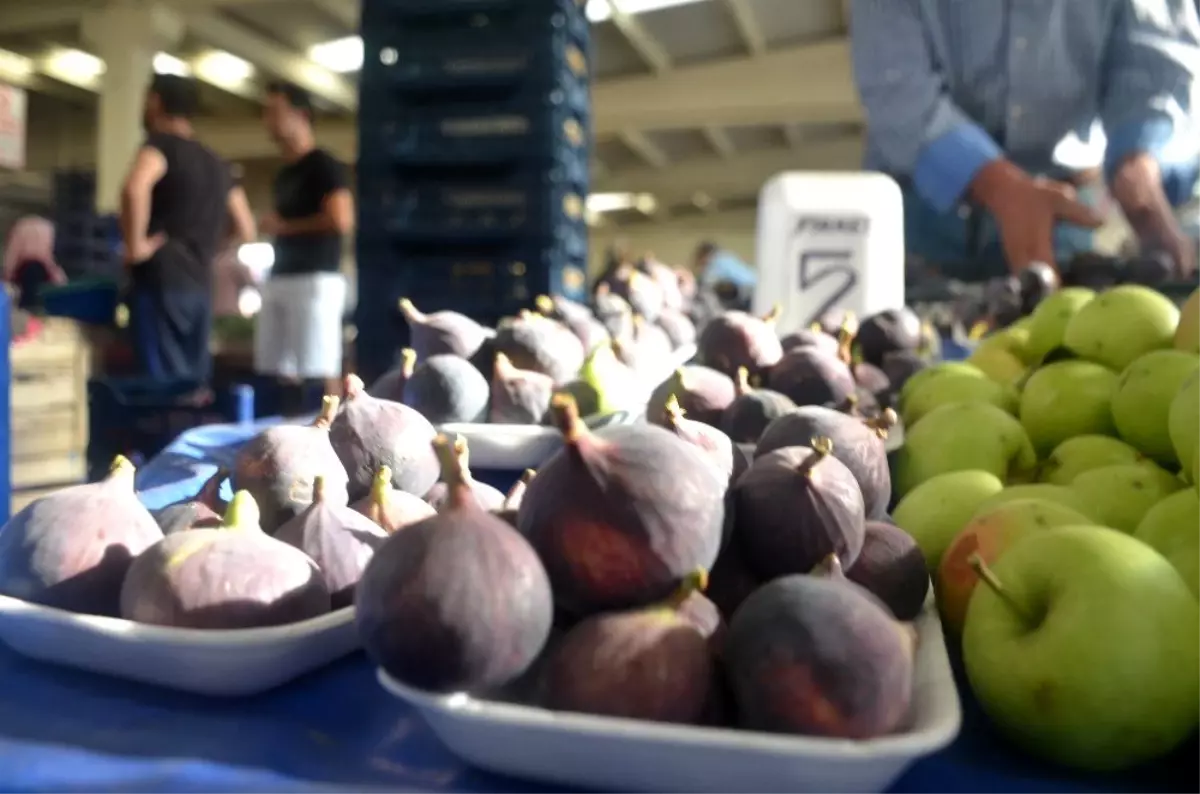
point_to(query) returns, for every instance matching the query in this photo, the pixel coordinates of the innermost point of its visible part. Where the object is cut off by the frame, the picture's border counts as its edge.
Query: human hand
(1026, 210)
(1137, 187)
(270, 224)
(141, 251)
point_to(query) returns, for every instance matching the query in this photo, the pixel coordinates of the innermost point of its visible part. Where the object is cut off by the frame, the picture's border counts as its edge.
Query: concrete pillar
(125, 35)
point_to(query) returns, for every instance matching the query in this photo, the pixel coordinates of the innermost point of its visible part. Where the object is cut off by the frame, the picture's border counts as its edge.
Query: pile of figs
(729, 561)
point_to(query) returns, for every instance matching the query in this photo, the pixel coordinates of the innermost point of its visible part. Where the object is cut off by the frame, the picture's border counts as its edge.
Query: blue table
(62, 730)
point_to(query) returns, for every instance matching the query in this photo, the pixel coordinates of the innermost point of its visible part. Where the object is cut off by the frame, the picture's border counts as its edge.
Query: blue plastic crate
(138, 417)
(91, 301)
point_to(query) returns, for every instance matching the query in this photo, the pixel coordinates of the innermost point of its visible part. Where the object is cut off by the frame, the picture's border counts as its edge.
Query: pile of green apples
(1051, 482)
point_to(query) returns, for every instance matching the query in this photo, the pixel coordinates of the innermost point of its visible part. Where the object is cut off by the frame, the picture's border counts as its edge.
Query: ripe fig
(390, 385)
(613, 312)
(731, 581)
(886, 332)
(446, 388)
(715, 445)
(668, 282)
(486, 496)
(512, 500)
(702, 391)
(643, 293)
(738, 339)
(202, 510)
(892, 567)
(519, 396)
(794, 507)
(818, 656)
(680, 330)
(648, 664)
(810, 337)
(808, 376)
(834, 320)
(442, 333)
(621, 515)
(279, 465)
(458, 602)
(577, 317)
(71, 549)
(534, 342)
(752, 410)
(232, 577)
(901, 365)
(858, 444)
(370, 433)
(390, 508)
(338, 539)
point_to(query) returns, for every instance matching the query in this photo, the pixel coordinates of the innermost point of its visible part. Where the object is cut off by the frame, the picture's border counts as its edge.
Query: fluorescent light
(613, 202)
(165, 63)
(249, 301)
(340, 55)
(14, 66)
(602, 10)
(597, 10)
(258, 257)
(76, 67)
(223, 69)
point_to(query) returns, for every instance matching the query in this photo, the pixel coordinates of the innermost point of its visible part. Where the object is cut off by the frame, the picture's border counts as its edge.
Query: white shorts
(299, 329)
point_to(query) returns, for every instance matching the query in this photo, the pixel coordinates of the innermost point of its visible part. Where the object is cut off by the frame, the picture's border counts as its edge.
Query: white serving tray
(202, 662)
(608, 754)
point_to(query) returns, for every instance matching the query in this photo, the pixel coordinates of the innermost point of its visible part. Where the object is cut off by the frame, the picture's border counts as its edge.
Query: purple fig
(442, 332)
(488, 497)
(519, 396)
(390, 508)
(390, 385)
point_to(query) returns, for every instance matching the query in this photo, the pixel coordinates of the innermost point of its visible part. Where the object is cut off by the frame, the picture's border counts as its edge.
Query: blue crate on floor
(139, 417)
(91, 301)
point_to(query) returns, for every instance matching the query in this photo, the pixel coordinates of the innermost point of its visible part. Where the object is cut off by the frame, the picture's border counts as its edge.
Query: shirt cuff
(947, 164)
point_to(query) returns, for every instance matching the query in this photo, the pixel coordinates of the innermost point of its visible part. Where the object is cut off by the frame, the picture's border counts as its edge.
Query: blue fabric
(335, 730)
(1025, 75)
(726, 266)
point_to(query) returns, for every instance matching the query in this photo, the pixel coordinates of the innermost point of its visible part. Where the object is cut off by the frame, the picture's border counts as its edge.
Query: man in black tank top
(178, 204)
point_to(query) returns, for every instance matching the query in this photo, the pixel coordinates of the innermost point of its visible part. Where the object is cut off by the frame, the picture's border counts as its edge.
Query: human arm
(242, 228)
(149, 166)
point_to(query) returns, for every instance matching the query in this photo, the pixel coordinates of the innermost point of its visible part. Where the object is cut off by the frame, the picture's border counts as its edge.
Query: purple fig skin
(233, 577)
(715, 445)
(737, 339)
(649, 664)
(487, 497)
(621, 515)
(678, 328)
(809, 377)
(892, 568)
(339, 540)
(390, 385)
(447, 389)
(201, 511)
(642, 292)
(279, 465)
(534, 342)
(796, 506)
(392, 509)
(369, 433)
(519, 396)
(816, 656)
(702, 392)
(443, 332)
(512, 500)
(731, 581)
(458, 602)
(752, 410)
(807, 337)
(858, 444)
(71, 549)
(887, 332)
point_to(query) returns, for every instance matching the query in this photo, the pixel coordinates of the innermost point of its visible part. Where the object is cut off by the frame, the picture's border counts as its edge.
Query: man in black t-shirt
(177, 204)
(298, 337)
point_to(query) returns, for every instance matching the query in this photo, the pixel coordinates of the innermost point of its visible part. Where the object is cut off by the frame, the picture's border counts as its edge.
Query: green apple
(1043, 492)
(1084, 648)
(999, 364)
(1121, 324)
(1049, 320)
(1067, 399)
(954, 386)
(1172, 528)
(1142, 403)
(962, 436)
(1183, 426)
(937, 509)
(989, 534)
(1083, 453)
(1187, 333)
(1119, 496)
(937, 371)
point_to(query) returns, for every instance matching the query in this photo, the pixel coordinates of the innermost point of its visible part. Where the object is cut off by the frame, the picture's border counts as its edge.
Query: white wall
(674, 242)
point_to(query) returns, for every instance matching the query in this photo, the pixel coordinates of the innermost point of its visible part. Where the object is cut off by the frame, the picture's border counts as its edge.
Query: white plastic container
(202, 662)
(607, 754)
(829, 240)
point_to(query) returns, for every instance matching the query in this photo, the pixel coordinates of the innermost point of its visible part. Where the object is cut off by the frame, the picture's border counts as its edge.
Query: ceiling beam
(644, 148)
(793, 134)
(747, 25)
(645, 45)
(16, 17)
(345, 12)
(718, 138)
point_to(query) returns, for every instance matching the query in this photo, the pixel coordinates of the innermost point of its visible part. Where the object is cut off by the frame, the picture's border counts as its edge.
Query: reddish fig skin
(577, 317)
(232, 577)
(642, 292)
(702, 392)
(648, 349)
(390, 385)
(649, 664)
(71, 549)
(458, 602)
(339, 540)
(202, 511)
(737, 339)
(715, 445)
(531, 341)
(752, 410)
(892, 567)
(370, 433)
(678, 328)
(731, 581)
(888, 331)
(816, 656)
(622, 514)
(519, 396)
(487, 497)
(279, 465)
(391, 509)
(809, 337)
(442, 332)
(808, 376)
(794, 507)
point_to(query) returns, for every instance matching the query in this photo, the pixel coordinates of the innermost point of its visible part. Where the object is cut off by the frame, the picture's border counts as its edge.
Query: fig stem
(242, 512)
(329, 409)
(318, 493)
(680, 377)
(502, 366)
(742, 382)
(846, 345)
(121, 468)
(565, 412)
(454, 473)
(513, 498)
(883, 423)
(673, 409)
(830, 568)
(694, 582)
(772, 317)
(822, 447)
(210, 492)
(410, 312)
(989, 578)
(408, 362)
(353, 386)
(381, 494)
(544, 304)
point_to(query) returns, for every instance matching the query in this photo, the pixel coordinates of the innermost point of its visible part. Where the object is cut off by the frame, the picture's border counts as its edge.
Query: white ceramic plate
(217, 663)
(607, 754)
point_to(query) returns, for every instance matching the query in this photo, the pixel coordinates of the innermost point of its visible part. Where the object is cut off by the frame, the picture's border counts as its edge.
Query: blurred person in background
(177, 206)
(29, 261)
(967, 104)
(725, 273)
(298, 337)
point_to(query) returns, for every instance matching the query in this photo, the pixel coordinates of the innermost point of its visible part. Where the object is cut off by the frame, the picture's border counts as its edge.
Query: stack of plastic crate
(85, 243)
(474, 135)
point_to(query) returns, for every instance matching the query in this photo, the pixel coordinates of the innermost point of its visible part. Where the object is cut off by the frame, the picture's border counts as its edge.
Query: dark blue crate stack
(85, 244)
(474, 141)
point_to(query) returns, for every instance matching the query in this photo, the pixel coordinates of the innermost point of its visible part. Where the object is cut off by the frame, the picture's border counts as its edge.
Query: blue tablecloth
(62, 730)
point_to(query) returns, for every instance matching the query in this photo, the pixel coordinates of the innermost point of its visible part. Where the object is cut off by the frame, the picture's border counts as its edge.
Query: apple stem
(988, 577)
